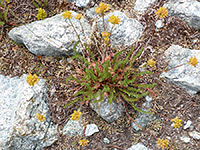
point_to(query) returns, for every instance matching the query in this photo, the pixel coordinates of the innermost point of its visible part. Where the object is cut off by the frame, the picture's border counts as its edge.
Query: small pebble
(195, 135)
(106, 140)
(185, 139)
(187, 125)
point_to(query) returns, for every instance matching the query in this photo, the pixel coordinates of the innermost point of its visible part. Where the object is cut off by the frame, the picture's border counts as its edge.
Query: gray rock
(51, 37)
(142, 5)
(126, 33)
(195, 135)
(185, 139)
(109, 112)
(80, 3)
(106, 140)
(186, 77)
(187, 125)
(138, 146)
(91, 129)
(143, 119)
(91, 14)
(73, 128)
(20, 129)
(187, 10)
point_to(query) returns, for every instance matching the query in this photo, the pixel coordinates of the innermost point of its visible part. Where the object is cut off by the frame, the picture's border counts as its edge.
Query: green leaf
(136, 56)
(2, 23)
(116, 56)
(6, 14)
(127, 57)
(128, 99)
(97, 68)
(34, 3)
(1, 16)
(139, 110)
(81, 92)
(87, 85)
(111, 97)
(106, 89)
(75, 46)
(143, 73)
(90, 73)
(90, 52)
(73, 101)
(81, 59)
(115, 76)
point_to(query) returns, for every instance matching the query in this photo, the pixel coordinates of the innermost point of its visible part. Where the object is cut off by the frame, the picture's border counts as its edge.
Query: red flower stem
(136, 123)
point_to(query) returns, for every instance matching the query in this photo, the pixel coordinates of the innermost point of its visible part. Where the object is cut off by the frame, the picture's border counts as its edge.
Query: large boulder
(19, 127)
(187, 10)
(51, 37)
(124, 34)
(142, 5)
(186, 77)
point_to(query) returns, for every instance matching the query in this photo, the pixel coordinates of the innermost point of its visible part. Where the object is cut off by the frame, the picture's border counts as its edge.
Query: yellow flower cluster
(40, 117)
(76, 115)
(102, 8)
(106, 34)
(67, 14)
(177, 122)
(32, 80)
(114, 20)
(162, 143)
(162, 12)
(151, 62)
(83, 142)
(78, 17)
(41, 14)
(193, 61)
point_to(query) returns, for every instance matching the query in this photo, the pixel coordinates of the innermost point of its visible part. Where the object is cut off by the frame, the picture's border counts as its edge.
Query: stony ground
(170, 101)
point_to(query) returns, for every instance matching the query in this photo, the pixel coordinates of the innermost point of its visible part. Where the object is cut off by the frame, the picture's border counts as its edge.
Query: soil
(170, 101)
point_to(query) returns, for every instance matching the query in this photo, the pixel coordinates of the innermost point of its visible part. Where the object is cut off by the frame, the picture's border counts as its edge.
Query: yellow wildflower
(83, 142)
(41, 14)
(102, 8)
(40, 117)
(162, 12)
(76, 115)
(67, 14)
(105, 34)
(162, 143)
(32, 80)
(177, 122)
(193, 61)
(114, 20)
(78, 17)
(106, 39)
(151, 62)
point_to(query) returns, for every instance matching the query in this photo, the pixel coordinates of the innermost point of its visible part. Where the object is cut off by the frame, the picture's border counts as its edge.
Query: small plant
(40, 117)
(4, 12)
(32, 79)
(41, 14)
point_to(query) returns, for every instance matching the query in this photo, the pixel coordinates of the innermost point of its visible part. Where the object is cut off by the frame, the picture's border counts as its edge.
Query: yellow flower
(106, 39)
(67, 14)
(102, 8)
(151, 62)
(40, 117)
(193, 61)
(78, 16)
(76, 115)
(83, 142)
(177, 122)
(32, 80)
(114, 20)
(162, 12)
(162, 143)
(41, 14)
(105, 34)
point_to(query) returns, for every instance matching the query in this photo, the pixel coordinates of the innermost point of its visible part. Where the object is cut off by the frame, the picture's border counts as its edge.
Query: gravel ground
(170, 101)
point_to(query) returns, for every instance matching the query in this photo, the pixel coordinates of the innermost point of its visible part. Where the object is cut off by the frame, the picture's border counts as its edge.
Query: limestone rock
(185, 139)
(80, 3)
(52, 36)
(20, 129)
(142, 5)
(109, 112)
(186, 77)
(126, 33)
(195, 135)
(138, 146)
(143, 119)
(187, 10)
(91, 129)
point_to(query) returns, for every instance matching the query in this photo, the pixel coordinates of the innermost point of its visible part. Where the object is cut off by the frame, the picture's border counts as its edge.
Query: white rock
(187, 125)
(142, 5)
(185, 139)
(186, 77)
(106, 140)
(138, 146)
(195, 135)
(91, 129)
(159, 24)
